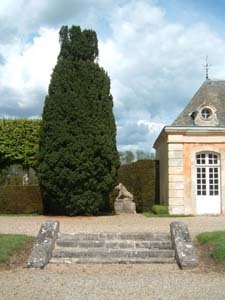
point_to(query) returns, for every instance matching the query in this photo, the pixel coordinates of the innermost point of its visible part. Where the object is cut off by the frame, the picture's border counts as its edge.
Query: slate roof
(212, 92)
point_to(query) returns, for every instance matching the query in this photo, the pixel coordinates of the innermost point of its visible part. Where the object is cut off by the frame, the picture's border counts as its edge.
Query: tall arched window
(207, 166)
(208, 183)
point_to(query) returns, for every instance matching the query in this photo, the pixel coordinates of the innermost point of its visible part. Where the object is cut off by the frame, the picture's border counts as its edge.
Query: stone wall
(162, 157)
(176, 178)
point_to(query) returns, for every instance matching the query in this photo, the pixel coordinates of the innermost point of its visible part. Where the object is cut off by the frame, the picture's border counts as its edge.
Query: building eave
(188, 131)
(196, 130)
(160, 137)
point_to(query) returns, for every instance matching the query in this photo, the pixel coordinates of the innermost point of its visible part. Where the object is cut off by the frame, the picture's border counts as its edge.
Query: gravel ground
(110, 281)
(115, 223)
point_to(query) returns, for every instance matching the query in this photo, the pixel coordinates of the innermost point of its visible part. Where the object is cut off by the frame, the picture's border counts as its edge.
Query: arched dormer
(206, 116)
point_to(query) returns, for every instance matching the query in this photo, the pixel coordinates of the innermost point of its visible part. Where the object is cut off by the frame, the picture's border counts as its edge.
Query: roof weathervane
(206, 66)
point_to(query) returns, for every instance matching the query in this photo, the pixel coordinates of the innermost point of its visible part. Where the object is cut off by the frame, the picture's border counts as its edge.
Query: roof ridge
(215, 79)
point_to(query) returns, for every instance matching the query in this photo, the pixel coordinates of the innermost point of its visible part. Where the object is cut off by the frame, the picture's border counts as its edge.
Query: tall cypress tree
(78, 159)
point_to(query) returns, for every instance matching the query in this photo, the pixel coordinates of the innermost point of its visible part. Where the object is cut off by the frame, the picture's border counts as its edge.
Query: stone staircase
(106, 248)
(124, 248)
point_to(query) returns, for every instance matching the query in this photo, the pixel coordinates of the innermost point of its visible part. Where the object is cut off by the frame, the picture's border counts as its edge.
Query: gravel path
(110, 281)
(118, 223)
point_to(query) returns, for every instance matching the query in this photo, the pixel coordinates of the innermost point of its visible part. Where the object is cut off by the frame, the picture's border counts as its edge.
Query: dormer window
(206, 113)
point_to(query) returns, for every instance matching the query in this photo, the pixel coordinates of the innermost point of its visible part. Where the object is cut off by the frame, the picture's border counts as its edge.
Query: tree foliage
(127, 157)
(78, 158)
(19, 139)
(140, 155)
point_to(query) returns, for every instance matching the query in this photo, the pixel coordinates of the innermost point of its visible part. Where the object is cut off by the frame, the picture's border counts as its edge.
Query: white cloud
(153, 127)
(27, 69)
(155, 65)
(20, 18)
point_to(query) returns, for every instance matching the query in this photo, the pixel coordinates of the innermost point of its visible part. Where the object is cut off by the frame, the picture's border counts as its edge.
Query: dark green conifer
(78, 159)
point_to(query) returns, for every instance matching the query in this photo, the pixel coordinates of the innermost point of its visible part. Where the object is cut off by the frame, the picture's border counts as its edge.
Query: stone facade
(182, 150)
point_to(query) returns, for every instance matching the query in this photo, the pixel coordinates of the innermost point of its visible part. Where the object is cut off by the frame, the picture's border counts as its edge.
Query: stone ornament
(25, 179)
(124, 201)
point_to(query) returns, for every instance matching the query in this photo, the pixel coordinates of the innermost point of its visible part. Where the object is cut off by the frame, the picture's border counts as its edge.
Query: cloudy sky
(153, 51)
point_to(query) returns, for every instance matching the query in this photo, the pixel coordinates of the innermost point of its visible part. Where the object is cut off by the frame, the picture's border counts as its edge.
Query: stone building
(191, 154)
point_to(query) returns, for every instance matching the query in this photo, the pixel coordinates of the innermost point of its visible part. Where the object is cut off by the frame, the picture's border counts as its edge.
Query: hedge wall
(19, 141)
(141, 179)
(20, 199)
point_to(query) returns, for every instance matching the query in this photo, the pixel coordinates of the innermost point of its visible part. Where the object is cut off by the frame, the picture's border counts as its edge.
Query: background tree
(78, 159)
(140, 155)
(19, 139)
(126, 157)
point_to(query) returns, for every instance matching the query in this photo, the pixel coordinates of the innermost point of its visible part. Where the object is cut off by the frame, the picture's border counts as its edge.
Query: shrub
(160, 209)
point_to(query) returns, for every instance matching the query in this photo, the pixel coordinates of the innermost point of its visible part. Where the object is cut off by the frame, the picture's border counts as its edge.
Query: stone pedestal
(124, 206)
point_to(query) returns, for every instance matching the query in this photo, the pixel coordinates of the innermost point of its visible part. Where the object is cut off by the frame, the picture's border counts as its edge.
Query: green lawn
(216, 240)
(11, 244)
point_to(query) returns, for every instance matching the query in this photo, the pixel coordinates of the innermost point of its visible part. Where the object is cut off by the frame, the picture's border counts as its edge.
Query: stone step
(111, 253)
(137, 236)
(113, 260)
(114, 244)
(110, 247)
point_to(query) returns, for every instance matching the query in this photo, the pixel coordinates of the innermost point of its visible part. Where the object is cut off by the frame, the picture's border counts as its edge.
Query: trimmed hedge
(160, 209)
(140, 178)
(20, 199)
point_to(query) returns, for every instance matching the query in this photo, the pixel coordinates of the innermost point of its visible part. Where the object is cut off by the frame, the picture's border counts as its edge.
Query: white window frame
(207, 174)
